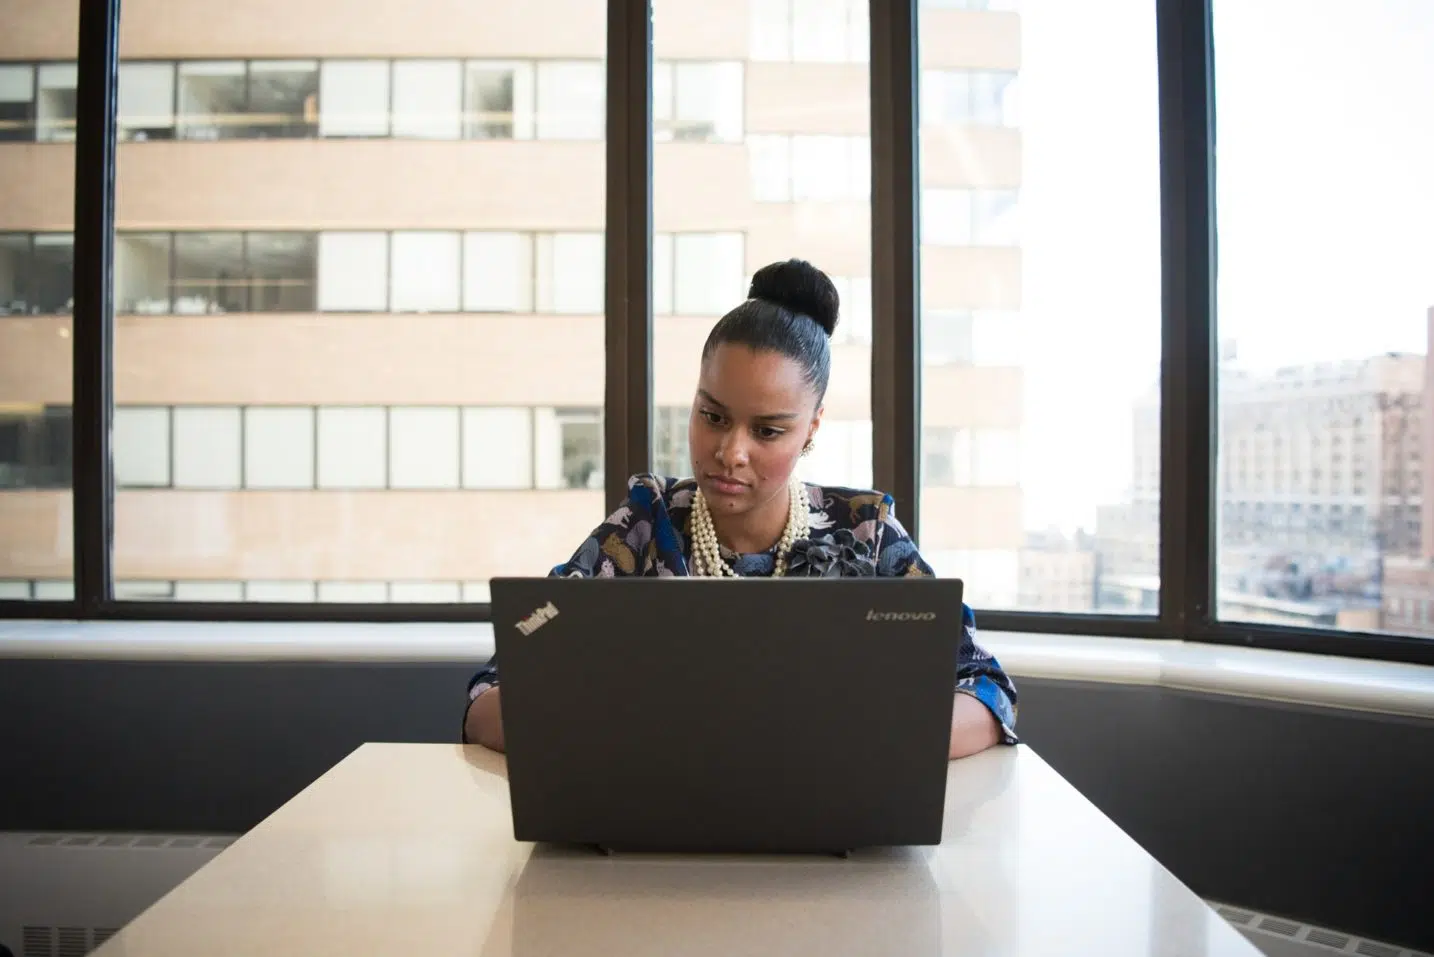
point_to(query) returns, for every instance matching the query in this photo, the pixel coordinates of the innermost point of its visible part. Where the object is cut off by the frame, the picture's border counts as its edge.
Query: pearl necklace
(707, 560)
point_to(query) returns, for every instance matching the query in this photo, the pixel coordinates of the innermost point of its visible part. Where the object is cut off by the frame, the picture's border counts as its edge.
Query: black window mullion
(1187, 381)
(896, 263)
(93, 266)
(627, 413)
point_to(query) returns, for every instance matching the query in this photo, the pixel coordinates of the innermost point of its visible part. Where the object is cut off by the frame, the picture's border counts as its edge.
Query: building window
(569, 448)
(964, 217)
(262, 591)
(353, 272)
(283, 99)
(207, 448)
(854, 323)
(212, 98)
(425, 271)
(36, 274)
(697, 102)
(353, 592)
(57, 102)
(671, 455)
(809, 168)
(208, 591)
(353, 445)
(209, 274)
(142, 273)
(279, 447)
(570, 273)
(423, 447)
(709, 273)
(17, 103)
(146, 101)
(354, 98)
(969, 97)
(811, 31)
(52, 275)
(946, 338)
(35, 447)
(571, 100)
(428, 99)
(497, 448)
(281, 270)
(497, 272)
(499, 101)
(141, 447)
(424, 592)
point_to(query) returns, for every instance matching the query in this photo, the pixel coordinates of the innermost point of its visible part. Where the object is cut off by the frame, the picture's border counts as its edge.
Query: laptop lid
(708, 715)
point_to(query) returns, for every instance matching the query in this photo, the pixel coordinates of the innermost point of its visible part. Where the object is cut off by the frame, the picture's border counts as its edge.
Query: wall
(1315, 814)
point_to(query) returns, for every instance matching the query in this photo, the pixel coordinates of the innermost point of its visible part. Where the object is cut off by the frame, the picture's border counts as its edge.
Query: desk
(407, 850)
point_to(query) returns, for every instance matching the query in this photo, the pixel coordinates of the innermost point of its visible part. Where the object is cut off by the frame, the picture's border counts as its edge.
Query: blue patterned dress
(648, 535)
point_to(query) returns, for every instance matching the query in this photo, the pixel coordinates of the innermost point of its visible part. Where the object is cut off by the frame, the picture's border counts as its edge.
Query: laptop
(701, 715)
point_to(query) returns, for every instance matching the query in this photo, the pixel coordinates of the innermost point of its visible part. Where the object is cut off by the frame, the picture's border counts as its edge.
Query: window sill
(1375, 686)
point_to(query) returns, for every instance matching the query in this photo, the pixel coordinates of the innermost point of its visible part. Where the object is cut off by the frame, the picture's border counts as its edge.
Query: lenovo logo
(875, 615)
(537, 619)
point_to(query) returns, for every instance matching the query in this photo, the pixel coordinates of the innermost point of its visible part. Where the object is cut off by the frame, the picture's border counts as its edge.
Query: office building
(359, 279)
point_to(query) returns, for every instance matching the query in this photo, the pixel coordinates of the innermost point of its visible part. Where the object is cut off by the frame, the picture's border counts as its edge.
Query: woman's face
(751, 418)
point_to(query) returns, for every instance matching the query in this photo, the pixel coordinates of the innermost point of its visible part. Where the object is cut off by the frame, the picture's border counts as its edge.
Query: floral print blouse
(853, 533)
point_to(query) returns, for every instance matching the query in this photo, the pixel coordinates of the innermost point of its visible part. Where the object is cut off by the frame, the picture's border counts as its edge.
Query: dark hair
(791, 308)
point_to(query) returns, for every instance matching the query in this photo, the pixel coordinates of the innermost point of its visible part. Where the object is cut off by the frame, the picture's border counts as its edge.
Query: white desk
(408, 850)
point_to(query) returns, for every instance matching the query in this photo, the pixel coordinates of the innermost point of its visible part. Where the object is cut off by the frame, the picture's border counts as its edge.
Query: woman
(764, 374)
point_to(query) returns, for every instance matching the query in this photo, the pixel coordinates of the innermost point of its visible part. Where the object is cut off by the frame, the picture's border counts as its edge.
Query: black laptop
(701, 715)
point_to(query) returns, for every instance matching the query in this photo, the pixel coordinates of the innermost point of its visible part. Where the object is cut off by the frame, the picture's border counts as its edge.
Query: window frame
(1184, 50)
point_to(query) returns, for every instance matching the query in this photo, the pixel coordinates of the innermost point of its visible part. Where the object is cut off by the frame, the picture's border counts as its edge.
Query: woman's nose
(732, 453)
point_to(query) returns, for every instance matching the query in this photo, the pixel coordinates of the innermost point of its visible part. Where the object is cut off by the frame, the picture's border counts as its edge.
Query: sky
(1325, 216)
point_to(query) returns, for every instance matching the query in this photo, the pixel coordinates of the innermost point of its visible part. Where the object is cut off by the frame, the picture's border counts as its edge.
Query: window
(37, 102)
(353, 342)
(353, 272)
(570, 100)
(52, 274)
(279, 447)
(811, 31)
(499, 101)
(353, 448)
(709, 277)
(281, 271)
(423, 448)
(207, 448)
(428, 99)
(1293, 374)
(425, 272)
(141, 447)
(17, 102)
(1013, 372)
(354, 98)
(283, 99)
(968, 98)
(497, 272)
(146, 101)
(143, 262)
(212, 99)
(570, 273)
(569, 448)
(209, 273)
(35, 449)
(810, 168)
(697, 102)
(713, 232)
(58, 100)
(497, 448)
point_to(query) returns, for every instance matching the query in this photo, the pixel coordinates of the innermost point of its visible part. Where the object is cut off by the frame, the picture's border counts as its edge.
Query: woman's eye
(766, 432)
(712, 418)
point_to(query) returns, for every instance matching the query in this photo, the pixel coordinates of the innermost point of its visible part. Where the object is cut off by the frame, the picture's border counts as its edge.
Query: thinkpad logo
(874, 615)
(538, 619)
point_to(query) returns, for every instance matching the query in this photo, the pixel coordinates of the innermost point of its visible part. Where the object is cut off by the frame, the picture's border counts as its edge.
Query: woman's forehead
(761, 382)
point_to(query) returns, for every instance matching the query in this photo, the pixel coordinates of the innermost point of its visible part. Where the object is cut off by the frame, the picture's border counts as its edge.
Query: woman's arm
(973, 727)
(483, 724)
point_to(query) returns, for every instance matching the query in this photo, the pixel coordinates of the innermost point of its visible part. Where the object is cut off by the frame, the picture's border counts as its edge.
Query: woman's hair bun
(798, 286)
